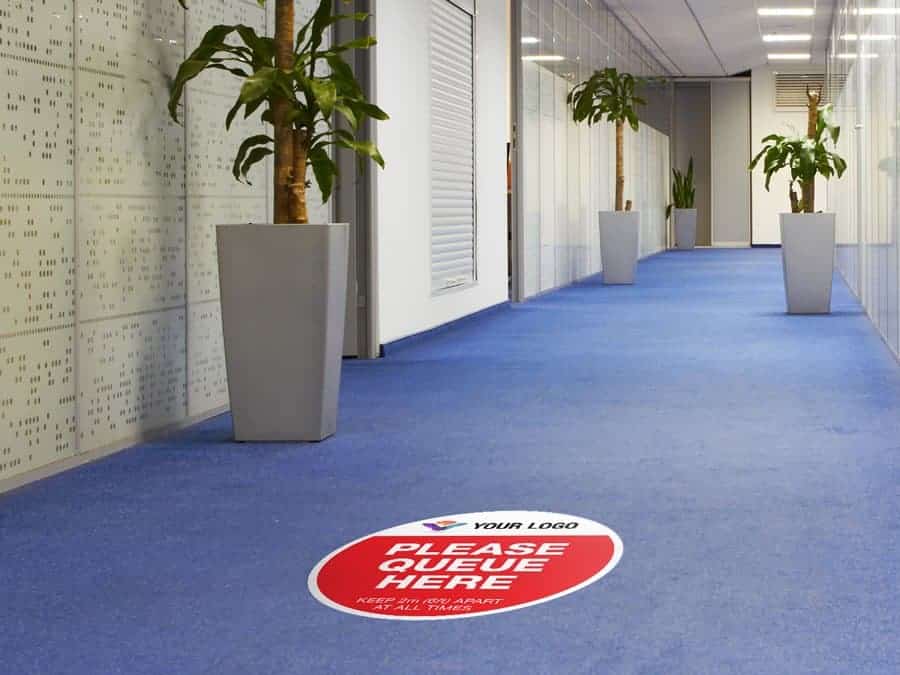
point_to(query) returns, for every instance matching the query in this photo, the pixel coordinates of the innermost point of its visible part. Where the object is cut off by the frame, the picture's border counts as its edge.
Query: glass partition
(567, 171)
(862, 76)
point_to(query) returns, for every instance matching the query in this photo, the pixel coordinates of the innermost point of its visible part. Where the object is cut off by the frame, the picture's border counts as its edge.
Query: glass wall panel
(863, 76)
(567, 169)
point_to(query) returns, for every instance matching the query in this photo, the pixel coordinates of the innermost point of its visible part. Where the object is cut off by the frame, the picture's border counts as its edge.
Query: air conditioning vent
(790, 89)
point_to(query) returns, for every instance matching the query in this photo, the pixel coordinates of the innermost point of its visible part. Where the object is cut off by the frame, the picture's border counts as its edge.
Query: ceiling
(721, 37)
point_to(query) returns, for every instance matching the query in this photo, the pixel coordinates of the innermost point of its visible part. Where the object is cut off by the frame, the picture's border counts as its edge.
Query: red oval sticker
(467, 564)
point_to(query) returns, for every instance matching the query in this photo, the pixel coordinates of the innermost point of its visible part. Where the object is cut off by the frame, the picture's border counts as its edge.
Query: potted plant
(283, 285)
(807, 236)
(683, 206)
(610, 95)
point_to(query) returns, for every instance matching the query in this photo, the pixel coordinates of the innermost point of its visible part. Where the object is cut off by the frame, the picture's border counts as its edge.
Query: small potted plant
(807, 236)
(283, 285)
(683, 207)
(609, 95)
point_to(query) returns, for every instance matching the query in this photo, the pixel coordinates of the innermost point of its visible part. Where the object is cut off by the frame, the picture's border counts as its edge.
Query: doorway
(690, 139)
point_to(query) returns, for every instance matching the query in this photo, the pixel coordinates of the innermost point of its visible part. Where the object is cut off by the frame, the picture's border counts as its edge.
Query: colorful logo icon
(441, 525)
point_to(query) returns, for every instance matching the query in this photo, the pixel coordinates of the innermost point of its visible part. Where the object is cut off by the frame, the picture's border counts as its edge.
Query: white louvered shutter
(452, 147)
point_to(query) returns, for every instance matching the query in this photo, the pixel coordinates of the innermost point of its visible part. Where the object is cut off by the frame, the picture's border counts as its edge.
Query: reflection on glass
(567, 169)
(863, 82)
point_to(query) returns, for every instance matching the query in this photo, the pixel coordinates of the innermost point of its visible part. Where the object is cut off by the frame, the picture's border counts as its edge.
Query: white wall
(405, 302)
(729, 103)
(764, 120)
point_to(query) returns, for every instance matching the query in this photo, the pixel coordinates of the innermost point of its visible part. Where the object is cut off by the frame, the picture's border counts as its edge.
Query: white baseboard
(731, 244)
(41, 472)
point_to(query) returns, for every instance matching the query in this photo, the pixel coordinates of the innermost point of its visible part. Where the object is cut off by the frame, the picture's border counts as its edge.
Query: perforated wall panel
(37, 399)
(131, 255)
(37, 236)
(131, 376)
(207, 384)
(109, 314)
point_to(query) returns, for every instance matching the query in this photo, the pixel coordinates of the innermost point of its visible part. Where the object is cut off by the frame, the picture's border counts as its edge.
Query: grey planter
(619, 245)
(807, 253)
(283, 292)
(685, 228)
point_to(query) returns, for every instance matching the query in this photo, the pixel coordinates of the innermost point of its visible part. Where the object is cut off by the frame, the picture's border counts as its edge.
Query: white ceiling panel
(721, 37)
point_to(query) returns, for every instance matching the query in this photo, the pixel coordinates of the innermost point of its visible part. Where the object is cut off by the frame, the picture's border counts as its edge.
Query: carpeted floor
(749, 460)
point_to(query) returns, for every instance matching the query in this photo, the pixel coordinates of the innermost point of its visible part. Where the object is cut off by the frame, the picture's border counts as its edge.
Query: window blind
(452, 147)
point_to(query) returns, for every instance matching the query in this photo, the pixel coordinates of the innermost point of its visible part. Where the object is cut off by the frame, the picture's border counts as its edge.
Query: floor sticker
(464, 565)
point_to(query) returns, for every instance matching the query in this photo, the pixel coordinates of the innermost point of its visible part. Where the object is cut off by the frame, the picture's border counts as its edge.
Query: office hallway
(749, 460)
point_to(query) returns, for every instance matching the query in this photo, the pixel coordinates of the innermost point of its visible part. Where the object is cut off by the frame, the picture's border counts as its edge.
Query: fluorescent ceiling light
(875, 37)
(787, 37)
(544, 57)
(851, 55)
(786, 11)
(530, 40)
(789, 57)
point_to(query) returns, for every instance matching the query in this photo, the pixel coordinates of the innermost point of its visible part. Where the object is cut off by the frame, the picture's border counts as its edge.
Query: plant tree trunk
(299, 213)
(795, 202)
(620, 164)
(284, 142)
(808, 188)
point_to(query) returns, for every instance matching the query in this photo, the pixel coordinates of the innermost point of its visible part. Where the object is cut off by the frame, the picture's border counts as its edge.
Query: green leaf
(319, 24)
(358, 43)
(839, 164)
(325, 94)
(756, 159)
(186, 72)
(262, 48)
(253, 157)
(229, 118)
(348, 114)
(364, 148)
(240, 166)
(371, 110)
(324, 169)
(258, 85)
(632, 119)
(343, 76)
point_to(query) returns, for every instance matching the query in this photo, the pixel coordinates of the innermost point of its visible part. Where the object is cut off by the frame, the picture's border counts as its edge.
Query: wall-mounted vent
(790, 89)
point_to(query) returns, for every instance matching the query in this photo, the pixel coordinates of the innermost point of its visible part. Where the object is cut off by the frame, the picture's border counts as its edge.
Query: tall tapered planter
(685, 228)
(283, 293)
(619, 244)
(807, 250)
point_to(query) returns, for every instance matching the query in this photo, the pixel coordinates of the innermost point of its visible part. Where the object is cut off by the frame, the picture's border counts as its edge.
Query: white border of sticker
(412, 529)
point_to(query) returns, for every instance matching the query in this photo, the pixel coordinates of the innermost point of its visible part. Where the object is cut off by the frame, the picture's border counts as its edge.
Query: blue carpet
(748, 459)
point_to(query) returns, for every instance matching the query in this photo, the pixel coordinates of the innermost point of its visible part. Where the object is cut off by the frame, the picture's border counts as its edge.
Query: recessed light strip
(786, 11)
(544, 57)
(790, 56)
(787, 37)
